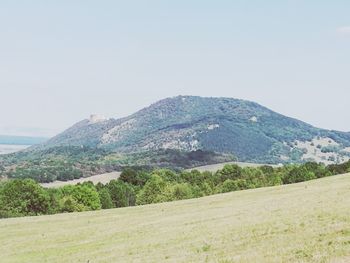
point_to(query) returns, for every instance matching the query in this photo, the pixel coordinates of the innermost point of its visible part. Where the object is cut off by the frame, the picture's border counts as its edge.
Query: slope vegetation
(179, 133)
(245, 129)
(305, 222)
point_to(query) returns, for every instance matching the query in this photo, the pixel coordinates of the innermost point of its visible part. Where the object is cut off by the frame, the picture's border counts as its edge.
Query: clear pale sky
(62, 60)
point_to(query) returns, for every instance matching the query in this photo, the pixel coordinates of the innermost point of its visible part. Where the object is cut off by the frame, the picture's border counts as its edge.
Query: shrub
(131, 176)
(153, 191)
(122, 194)
(179, 192)
(298, 174)
(69, 204)
(229, 186)
(105, 199)
(23, 197)
(84, 195)
(230, 171)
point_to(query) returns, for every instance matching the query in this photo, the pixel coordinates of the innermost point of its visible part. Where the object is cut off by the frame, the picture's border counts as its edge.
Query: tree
(85, 196)
(318, 169)
(229, 186)
(179, 192)
(298, 174)
(105, 199)
(122, 194)
(230, 171)
(54, 197)
(69, 204)
(129, 175)
(153, 191)
(137, 178)
(23, 197)
(168, 175)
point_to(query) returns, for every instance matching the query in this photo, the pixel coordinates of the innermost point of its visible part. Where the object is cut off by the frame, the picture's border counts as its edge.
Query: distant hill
(21, 140)
(242, 128)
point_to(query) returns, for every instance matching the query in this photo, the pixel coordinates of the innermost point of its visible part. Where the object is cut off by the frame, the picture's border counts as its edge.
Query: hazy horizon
(61, 62)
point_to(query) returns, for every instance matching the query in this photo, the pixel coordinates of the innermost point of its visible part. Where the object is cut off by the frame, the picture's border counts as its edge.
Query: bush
(229, 186)
(153, 191)
(84, 197)
(230, 171)
(23, 197)
(137, 178)
(179, 192)
(105, 199)
(69, 204)
(122, 194)
(298, 174)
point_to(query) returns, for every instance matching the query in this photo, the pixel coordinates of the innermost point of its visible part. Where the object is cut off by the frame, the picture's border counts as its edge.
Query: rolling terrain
(178, 133)
(247, 130)
(259, 225)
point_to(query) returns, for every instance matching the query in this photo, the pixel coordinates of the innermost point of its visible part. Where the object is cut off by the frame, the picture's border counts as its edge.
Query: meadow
(303, 222)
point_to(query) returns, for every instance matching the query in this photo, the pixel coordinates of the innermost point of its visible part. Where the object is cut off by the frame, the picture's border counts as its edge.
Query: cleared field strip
(215, 167)
(100, 178)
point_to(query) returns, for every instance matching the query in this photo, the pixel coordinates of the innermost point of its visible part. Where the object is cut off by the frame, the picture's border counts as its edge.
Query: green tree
(84, 195)
(105, 198)
(23, 197)
(69, 204)
(137, 178)
(122, 194)
(229, 186)
(129, 175)
(298, 174)
(153, 191)
(230, 171)
(179, 192)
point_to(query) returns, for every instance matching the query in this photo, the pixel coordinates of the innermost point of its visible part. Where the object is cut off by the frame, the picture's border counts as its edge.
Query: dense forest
(25, 197)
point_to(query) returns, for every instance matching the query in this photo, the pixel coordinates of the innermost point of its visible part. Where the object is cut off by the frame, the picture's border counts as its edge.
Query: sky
(61, 61)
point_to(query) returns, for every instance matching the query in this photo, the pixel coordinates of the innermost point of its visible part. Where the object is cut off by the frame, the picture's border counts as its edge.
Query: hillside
(260, 225)
(244, 129)
(178, 133)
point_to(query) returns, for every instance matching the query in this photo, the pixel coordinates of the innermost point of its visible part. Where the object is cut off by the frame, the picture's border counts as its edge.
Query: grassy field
(306, 222)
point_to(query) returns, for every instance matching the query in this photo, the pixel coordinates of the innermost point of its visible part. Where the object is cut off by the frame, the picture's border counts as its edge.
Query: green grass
(306, 222)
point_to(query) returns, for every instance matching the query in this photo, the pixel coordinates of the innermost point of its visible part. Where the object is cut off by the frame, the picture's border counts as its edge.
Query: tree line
(25, 197)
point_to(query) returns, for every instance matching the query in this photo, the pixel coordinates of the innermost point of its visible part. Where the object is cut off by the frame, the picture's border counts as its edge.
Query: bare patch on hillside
(324, 150)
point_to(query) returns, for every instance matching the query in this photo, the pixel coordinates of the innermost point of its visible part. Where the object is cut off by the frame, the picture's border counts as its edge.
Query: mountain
(242, 128)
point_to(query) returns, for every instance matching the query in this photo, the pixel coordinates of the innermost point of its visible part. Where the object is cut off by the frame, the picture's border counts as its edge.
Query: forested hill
(242, 128)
